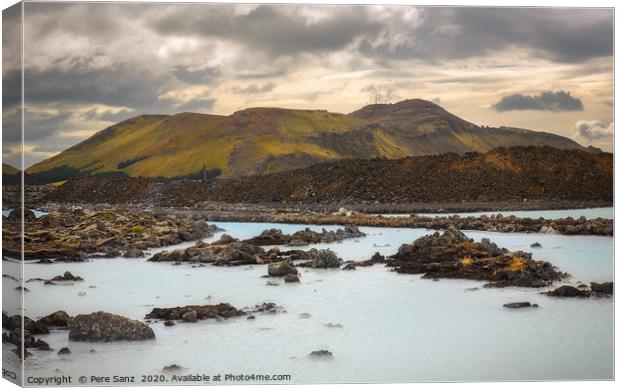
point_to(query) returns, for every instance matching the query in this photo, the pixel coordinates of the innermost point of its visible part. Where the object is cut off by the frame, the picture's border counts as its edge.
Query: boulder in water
(106, 327)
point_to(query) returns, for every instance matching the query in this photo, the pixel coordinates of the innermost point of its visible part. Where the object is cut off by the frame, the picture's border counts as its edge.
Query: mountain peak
(408, 107)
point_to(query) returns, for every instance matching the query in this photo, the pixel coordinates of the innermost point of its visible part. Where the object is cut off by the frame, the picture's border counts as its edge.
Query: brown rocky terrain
(305, 237)
(498, 223)
(230, 252)
(453, 255)
(193, 313)
(76, 234)
(514, 175)
(106, 327)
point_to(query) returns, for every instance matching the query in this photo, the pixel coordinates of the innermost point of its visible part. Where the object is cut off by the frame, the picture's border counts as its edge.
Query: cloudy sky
(90, 65)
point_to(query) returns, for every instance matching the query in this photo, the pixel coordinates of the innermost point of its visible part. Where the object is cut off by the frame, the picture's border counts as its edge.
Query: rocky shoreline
(493, 223)
(78, 234)
(374, 207)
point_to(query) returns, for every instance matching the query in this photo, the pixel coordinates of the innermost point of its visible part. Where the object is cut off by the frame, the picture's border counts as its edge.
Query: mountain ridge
(263, 140)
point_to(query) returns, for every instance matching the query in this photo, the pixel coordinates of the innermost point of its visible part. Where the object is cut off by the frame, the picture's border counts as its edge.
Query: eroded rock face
(453, 255)
(194, 313)
(106, 327)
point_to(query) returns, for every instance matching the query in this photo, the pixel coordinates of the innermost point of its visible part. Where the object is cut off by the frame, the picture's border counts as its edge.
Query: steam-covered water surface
(395, 328)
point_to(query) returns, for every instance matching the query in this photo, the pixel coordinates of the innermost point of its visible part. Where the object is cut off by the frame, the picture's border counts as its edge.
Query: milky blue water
(602, 212)
(395, 328)
(37, 213)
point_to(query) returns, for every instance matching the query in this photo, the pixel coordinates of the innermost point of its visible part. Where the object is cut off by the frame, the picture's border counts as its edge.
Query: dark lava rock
(169, 322)
(225, 239)
(80, 234)
(14, 322)
(222, 310)
(67, 276)
(133, 253)
(190, 316)
(536, 245)
(64, 351)
(268, 307)
(349, 267)
(57, 319)
(305, 237)
(453, 255)
(18, 350)
(606, 288)
(172, 368)
(106, 327)
(321, 354)
(290, 278)
(569, 292)
(15, 337)
(42, 345)
(229, 254)
(519, 305)
(319, 258)
(281, 268)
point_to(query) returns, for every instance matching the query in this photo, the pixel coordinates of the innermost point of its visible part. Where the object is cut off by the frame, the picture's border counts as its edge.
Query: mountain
(511, 175)
(13, 176)
(264, 140)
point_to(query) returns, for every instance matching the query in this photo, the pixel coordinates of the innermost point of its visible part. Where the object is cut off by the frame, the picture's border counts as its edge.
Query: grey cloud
(262, 74)
(201, 105)
(254, 89)
(117, 85)
(594, 129)
(48, 148)
(122, 85)
(39, 126)
(549, 101)
(197, 76)
(108, 115)
(559, 34)
(468, 80)
(11, 127)
(279, 30)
